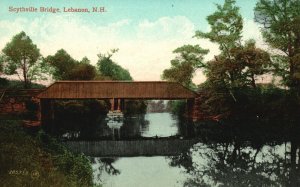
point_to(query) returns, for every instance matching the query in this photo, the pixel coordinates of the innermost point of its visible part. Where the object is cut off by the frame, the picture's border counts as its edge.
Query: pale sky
(145, 32)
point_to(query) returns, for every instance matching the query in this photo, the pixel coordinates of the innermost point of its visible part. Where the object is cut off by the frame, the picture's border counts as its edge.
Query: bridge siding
(116, 89)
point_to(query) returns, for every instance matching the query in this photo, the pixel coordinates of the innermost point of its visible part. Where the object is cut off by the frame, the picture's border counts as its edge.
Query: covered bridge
(116, 91)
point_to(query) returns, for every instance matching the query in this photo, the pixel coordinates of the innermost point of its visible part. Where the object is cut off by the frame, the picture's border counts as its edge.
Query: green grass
(35, 159)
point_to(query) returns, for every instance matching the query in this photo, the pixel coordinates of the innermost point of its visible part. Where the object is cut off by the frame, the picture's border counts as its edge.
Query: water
(140, 171)
(221, 158)
(161, 125)
(215, 164)
(150, 125)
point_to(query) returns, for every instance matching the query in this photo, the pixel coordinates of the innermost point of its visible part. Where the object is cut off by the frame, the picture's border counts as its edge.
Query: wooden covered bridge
(116, 91)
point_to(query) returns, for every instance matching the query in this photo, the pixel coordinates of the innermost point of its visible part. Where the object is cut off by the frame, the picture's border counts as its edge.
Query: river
(225, 158)
(153, 171)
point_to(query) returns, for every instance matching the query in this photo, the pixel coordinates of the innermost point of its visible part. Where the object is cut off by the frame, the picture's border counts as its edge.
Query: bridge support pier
(117, 104)
(112, 104)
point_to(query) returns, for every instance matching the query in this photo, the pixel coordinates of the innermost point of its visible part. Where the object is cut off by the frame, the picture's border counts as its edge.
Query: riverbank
(30, 158)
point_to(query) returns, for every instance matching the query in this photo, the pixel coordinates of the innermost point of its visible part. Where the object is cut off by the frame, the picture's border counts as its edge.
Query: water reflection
(207, 164)
(139, 171)
(151, 125)
(240, 164)
(161, 125)
(249, 154)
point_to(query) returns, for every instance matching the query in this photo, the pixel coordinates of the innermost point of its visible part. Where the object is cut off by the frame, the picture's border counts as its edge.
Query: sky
(145, 32)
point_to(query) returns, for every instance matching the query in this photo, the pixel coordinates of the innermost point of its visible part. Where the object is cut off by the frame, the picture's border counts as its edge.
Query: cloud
(251, 30)
(146, 53)
(166, 28)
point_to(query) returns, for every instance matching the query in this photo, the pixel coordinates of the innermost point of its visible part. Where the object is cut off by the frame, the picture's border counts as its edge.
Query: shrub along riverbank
(30, 158)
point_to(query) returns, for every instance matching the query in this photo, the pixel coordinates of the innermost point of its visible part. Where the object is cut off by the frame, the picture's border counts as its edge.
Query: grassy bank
(34, 159)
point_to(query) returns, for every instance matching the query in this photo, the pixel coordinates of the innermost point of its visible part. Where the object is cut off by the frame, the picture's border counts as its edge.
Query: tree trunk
(25, 76)
(253, 81)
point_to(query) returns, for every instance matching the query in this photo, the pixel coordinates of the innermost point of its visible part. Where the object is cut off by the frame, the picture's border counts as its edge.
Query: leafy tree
(280, 20)
(238, 64)
(82, 71)
(183, 67)
(1, 64)
(255, 61)
(22, 57)
(231, 73)
(247, 62)
(226, 27)
(62, 63)
(64, 67)
(111, 70)
(85, 60)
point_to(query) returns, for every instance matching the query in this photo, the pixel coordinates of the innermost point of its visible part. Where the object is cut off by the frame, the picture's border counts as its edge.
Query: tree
(111, 70)
(1, 64)
(82, 71)
(254, 61)
(85, 60)
(3, 81)
(280, 20)
(62, 64)
(183, 67)
(64, 67)
(246, 64)
(226, 29)
(232, 74)
(22, 57)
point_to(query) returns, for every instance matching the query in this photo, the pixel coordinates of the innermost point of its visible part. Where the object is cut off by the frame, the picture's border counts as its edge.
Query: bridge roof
(116, 89)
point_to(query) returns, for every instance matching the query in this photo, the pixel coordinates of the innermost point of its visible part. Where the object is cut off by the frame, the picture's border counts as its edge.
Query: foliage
(77, 167)
(226, 27)
(238, 64)
(110, 70)
(3, 82)
(16, 84)
(177, 107)
(236, 69)
(246, 64)
(64, 67)
(83, 71)
(280, 22)
(231, 73)
(135, 107)
(61, 63)
(55, 165)
(1, 64)
(265, 103)
(183, 67)
(75, 116)
(22, 57)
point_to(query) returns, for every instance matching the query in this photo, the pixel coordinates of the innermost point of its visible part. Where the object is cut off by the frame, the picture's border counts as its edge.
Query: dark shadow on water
(247, 154)
(130, 128)
(229, 153)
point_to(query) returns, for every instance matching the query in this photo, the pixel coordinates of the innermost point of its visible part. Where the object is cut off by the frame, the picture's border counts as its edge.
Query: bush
(39, 160)
(3, 82)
